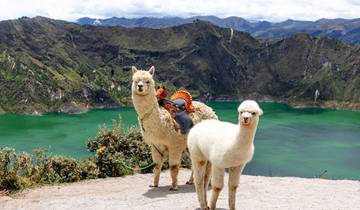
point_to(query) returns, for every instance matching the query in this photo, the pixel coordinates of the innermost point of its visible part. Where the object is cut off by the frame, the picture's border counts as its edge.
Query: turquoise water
(289, 142)
(59, 133)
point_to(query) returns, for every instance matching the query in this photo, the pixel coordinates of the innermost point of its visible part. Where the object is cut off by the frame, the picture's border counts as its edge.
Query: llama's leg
(234, 178)
(199, 169)
(158, 160)
(217, 184)
(191, 179)
(207, 177)
(174, 163)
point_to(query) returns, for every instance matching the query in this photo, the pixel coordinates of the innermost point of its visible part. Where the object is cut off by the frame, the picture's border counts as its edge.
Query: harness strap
(161, 154)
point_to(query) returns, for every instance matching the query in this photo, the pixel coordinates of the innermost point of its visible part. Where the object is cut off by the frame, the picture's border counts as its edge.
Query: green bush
(22, 170)
(65, 169)
(118, 152)
(15, 170)
(88, 169)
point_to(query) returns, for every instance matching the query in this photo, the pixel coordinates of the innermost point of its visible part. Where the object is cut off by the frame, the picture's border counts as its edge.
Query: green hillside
(51, 65)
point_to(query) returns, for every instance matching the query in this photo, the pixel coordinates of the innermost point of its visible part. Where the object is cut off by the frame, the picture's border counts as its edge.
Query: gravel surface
(132, 192)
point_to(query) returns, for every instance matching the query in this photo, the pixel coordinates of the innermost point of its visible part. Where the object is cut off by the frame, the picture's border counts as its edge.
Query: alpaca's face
(246, 117)
(142, 81)
(249, 112)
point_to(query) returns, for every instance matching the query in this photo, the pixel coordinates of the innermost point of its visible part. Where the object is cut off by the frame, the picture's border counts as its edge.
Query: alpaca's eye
(254, 113)
(241, 112)
(147, 82)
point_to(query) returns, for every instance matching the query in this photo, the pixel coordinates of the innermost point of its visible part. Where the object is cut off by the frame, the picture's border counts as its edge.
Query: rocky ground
(132, 192)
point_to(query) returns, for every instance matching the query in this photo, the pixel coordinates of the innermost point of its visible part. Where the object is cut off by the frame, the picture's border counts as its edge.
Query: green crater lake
(289, 142)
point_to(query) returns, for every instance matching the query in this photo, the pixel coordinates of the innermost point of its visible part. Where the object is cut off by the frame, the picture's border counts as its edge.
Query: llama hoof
(173, 189)
(190, 182)
(153, 186)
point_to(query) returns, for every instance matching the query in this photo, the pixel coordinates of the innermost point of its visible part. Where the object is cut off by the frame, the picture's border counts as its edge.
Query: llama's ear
(152, 70)
(260, 112)
(134, 69)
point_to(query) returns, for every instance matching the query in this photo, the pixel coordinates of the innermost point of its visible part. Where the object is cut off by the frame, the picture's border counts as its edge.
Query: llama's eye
(241, 112)
(147, 82)
(254, 113)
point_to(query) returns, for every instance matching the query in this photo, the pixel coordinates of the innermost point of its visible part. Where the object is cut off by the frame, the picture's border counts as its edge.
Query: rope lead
(136, 169)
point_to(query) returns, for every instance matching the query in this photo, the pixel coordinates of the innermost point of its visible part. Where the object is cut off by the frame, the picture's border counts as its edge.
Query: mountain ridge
(50, 65)
(347, 30)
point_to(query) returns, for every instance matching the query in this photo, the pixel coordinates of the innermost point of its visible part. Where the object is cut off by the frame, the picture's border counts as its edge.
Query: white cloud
(272, 10)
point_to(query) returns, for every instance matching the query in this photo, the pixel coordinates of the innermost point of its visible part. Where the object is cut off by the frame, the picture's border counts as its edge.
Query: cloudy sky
(272, 10)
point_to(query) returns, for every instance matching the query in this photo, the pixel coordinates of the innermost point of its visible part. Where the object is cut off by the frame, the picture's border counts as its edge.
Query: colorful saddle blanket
(179, 105)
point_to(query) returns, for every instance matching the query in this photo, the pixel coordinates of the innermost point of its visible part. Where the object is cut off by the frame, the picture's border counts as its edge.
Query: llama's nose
(140, 85)
(246, 119)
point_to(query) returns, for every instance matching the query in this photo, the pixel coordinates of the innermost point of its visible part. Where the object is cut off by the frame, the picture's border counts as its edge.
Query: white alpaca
(157, 126)
(216, 145)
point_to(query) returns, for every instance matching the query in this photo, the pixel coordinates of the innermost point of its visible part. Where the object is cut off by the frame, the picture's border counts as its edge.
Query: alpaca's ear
(134, 69)
(152, 70)
(260, 112)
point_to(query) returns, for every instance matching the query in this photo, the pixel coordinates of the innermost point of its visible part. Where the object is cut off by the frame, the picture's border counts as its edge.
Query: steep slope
(301, 64)
(51, 65)
(347, 30)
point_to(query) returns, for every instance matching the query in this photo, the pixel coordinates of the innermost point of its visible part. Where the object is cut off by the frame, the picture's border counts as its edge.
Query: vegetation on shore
(116, 152)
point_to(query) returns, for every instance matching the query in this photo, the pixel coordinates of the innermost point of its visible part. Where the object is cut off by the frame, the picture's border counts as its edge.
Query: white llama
(216, 145)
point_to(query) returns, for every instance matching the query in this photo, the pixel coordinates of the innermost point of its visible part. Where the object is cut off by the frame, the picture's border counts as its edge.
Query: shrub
(14, 170)
(21, 170)
(65, 169)
(88, 169)
(118, 152)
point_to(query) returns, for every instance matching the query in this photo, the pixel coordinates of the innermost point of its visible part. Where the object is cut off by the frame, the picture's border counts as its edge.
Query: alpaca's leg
(174, 163)
(199, 168)
(234, 178)
(217, 184)
(158, 160)
(191, 179)
(207, 177)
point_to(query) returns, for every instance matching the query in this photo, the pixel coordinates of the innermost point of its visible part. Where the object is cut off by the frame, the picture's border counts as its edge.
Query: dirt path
(132, 192)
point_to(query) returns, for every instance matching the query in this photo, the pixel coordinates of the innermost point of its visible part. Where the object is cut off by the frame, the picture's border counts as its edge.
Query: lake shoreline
(80, 108)
(71, 110)
(299, 104)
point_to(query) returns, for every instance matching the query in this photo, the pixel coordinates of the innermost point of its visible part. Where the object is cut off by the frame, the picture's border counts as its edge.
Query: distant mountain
(156, 23)
(52, 65)
(347, 30)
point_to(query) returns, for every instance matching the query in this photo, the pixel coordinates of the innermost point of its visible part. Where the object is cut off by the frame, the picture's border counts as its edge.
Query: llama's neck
(245, 137)
(146, 106)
